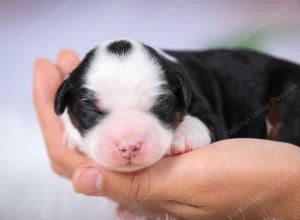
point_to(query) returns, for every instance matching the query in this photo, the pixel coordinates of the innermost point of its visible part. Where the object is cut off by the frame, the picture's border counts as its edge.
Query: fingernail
(88, 181)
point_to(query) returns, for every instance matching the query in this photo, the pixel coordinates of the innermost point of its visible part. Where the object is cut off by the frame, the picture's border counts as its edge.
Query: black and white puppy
(127, 105)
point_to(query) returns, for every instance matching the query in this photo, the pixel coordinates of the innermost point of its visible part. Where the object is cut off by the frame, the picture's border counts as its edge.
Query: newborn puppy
(127, 105)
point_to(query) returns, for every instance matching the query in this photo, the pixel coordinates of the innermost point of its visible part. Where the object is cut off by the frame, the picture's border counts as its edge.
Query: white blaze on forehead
(128, 82)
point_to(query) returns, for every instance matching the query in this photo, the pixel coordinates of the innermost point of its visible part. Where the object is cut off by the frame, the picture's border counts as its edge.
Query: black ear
(62, 96)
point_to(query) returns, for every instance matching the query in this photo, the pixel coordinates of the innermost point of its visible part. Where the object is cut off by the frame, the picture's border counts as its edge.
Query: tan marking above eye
(75, 122)
(177, 119)
(98, 105)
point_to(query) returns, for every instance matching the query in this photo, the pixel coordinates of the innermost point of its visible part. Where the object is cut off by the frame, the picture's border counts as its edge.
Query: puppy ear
(62, 96)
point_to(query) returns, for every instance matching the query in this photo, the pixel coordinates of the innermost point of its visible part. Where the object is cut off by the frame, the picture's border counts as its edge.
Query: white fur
(269, 127)
(131, 82)
(166, 55)
(72, 137)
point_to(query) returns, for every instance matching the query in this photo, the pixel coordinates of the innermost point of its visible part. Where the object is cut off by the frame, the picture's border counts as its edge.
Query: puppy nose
(129, 149)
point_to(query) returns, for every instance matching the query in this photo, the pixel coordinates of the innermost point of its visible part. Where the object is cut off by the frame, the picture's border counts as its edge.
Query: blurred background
(33, 28)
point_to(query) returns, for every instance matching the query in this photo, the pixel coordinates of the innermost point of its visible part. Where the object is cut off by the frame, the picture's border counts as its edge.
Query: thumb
(159, 182)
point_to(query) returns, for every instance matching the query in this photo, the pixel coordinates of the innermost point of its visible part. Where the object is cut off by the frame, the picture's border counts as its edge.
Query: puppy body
(247, 88)
(127, 105)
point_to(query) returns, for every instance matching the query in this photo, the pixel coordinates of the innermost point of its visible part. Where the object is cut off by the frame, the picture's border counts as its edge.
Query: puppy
(127, 105)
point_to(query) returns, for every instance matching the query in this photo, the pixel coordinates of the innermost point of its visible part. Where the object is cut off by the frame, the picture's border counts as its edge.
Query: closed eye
(102, 113)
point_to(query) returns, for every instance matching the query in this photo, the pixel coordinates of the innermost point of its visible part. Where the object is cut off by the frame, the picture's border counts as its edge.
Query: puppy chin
(128, 168)
(109, 158)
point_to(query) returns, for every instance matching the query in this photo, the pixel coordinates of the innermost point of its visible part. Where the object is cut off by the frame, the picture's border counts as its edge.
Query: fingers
(204, 183)
(46, 81)
(146, 190)
(66, 61)
(184, 178)
(169, 179)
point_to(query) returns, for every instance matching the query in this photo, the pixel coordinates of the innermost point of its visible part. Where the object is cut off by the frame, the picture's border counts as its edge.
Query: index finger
(66, 61)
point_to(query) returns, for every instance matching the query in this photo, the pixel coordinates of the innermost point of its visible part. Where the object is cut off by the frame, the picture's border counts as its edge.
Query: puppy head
(121, 104)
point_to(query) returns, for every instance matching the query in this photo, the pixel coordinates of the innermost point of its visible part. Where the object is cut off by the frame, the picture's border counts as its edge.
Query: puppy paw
(191, 133)
(180, 145)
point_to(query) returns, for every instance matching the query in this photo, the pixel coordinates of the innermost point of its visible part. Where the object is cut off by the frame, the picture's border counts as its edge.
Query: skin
(230, 179)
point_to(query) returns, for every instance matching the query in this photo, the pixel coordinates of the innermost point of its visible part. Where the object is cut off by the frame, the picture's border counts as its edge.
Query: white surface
(30, 29)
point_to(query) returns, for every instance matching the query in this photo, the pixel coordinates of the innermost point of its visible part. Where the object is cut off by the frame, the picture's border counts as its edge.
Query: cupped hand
(47, 78)
(230, 179)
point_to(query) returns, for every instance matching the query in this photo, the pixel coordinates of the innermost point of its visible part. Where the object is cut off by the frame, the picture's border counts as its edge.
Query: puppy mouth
(132, 164)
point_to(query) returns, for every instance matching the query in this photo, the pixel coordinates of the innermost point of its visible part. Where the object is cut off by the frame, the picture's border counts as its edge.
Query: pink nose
(129, 149)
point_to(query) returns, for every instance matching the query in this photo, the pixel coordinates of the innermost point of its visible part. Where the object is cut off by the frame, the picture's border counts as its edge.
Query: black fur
(175, 101)
(229, 90)
(120, 48)
(188, 98)
(238, 86)
(80, 101)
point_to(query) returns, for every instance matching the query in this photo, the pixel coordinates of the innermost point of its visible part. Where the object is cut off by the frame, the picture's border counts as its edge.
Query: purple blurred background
(29, 29)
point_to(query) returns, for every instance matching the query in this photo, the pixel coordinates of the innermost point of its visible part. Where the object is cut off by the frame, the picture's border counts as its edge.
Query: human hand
(230, 179)
(47, 78)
